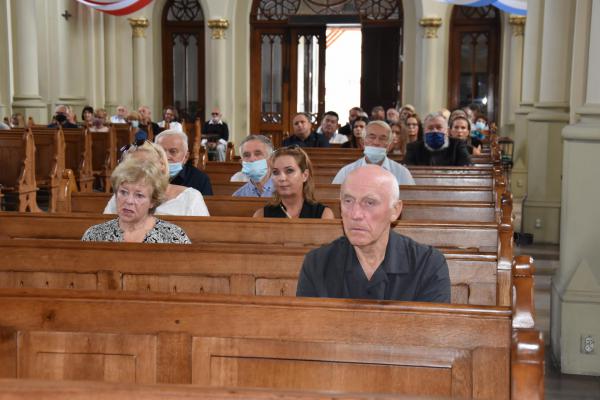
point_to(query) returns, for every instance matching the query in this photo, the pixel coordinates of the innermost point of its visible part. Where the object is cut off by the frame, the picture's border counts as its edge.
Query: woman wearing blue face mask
(437, 148)
(179, 200)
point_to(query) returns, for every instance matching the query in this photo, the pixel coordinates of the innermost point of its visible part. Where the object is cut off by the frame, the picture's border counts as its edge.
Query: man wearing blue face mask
(175, 144)
(437, 148)
(377, 137)
(255, 151)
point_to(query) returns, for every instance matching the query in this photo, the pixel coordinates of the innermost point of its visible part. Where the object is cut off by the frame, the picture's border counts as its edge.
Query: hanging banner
(518, 7)
(116, 7)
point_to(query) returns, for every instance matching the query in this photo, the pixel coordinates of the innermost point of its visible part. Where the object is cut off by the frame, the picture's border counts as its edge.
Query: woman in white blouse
(180, 200)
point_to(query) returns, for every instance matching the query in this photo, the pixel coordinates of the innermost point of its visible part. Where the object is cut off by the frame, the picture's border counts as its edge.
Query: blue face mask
(175, 168)
(255, 170)
(135, 124)
(435, 140)
(375, 154)
(477, 135)
(481, 126)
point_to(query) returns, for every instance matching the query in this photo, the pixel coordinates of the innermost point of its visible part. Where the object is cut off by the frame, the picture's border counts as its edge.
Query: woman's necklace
(285, 211)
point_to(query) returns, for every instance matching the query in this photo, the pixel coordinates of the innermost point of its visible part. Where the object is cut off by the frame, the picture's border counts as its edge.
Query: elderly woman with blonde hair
(179, 200)
(140, 188)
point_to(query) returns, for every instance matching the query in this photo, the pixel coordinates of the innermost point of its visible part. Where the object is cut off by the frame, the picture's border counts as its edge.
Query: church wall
(5, 66)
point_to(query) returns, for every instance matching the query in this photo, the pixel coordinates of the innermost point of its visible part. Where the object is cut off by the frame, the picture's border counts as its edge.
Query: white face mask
(375, 154)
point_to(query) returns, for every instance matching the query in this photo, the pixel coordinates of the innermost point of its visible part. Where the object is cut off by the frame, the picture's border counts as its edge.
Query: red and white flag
(116, 7)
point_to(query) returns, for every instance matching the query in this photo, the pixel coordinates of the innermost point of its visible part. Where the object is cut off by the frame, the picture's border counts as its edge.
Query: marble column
(429, 96)
(110, 64)
(26, 84)
(140, 92)
(541, 212)
(576, 286)
(71, 87)
(4, 55)
(512, 78)
(218, 57)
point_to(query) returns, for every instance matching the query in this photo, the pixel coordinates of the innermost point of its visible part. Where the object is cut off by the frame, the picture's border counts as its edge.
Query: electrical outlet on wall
(588, 344)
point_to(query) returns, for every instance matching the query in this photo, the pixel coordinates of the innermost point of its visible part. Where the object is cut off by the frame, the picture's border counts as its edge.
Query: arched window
(183, 57)
(288, 53)
(474, 59)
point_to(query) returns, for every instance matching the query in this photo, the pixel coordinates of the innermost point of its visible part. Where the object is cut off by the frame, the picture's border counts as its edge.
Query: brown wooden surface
(242, 269)
(104, 156)
(30, 389)
(49, 162)
(283, 343)
(17, 167)
(78, 157)
(473, 235)
(246, 206)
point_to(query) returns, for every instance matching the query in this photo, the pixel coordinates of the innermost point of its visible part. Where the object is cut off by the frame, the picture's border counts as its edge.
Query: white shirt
(172, 125)
(115, 119)
(338, 138)
(402, 174)
(188, 203)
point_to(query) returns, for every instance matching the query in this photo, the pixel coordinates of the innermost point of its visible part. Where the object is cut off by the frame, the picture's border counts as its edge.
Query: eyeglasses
(215, 114)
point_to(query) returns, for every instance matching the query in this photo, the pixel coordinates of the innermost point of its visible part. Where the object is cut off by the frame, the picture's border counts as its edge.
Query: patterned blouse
(162, 232)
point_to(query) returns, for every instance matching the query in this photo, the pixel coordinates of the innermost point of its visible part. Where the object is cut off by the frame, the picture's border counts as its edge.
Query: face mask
(98, 122)
(480, 126)
(60, 118)
(135, 124)
(175, 168)
(375, 154)
(435, 140)
(255, 170)
(477, 135)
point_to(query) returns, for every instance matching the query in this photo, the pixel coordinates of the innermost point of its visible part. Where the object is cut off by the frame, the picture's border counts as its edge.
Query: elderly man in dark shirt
(372, 261)
(302, 135)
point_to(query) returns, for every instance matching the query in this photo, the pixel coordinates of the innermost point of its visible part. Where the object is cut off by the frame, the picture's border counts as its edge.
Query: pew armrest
(527, 365)
(522, 290)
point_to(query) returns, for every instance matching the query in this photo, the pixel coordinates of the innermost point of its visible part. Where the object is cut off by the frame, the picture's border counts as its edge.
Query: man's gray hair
(261, 138)
(433, 115)
(173, 132)
(382, 124)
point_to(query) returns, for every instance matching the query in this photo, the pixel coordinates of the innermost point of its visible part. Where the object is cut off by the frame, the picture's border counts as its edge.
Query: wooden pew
(270, 270)
(35, 389)
(246, 206)
(78, 157)
(265, 342)
(17, 168)
(49, 162)
(482, 236)
(104, 157)
(407, 192)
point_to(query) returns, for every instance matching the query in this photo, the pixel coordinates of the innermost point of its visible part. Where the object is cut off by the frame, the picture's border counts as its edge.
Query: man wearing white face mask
(377, 137)
(255, 151)
(175, 144)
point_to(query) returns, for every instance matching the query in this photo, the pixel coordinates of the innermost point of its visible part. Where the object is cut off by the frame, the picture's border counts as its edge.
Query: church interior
(519, 225)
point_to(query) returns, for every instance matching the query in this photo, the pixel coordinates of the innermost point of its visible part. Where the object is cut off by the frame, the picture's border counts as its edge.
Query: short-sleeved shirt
(309, 210)
(313, 140)
(249, 189)
(410, 271)
(402, 174)
(161, 232)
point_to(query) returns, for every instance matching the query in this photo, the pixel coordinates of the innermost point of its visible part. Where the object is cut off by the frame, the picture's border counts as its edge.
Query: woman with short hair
(139, 189)
(294, 189)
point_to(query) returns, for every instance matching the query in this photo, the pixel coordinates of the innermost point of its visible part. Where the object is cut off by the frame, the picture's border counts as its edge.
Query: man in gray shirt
(372, 261)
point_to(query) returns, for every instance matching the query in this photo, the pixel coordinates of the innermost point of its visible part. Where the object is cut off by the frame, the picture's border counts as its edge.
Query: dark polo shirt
(409, 272)
(191, 176)
(313, 140)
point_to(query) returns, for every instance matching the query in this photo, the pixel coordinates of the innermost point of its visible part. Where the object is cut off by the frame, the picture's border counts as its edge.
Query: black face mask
(60, 118)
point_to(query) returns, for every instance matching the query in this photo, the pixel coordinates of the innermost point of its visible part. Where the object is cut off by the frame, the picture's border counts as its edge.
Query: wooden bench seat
(35, 389)
(243, 269)
(78, 157)
(264, 342)
(246, 206)
(17, 168)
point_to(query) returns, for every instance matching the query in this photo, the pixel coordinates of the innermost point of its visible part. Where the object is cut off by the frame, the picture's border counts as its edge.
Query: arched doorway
(474, 59)
(183, 57)
(288, 57)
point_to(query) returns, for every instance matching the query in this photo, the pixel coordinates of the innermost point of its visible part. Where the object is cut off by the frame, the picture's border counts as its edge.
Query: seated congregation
(374, 210)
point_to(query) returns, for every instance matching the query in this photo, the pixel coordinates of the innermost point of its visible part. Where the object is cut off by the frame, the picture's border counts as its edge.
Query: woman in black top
(293, 195)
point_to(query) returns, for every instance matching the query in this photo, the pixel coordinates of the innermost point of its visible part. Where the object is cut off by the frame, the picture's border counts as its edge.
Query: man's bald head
(376, 174)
